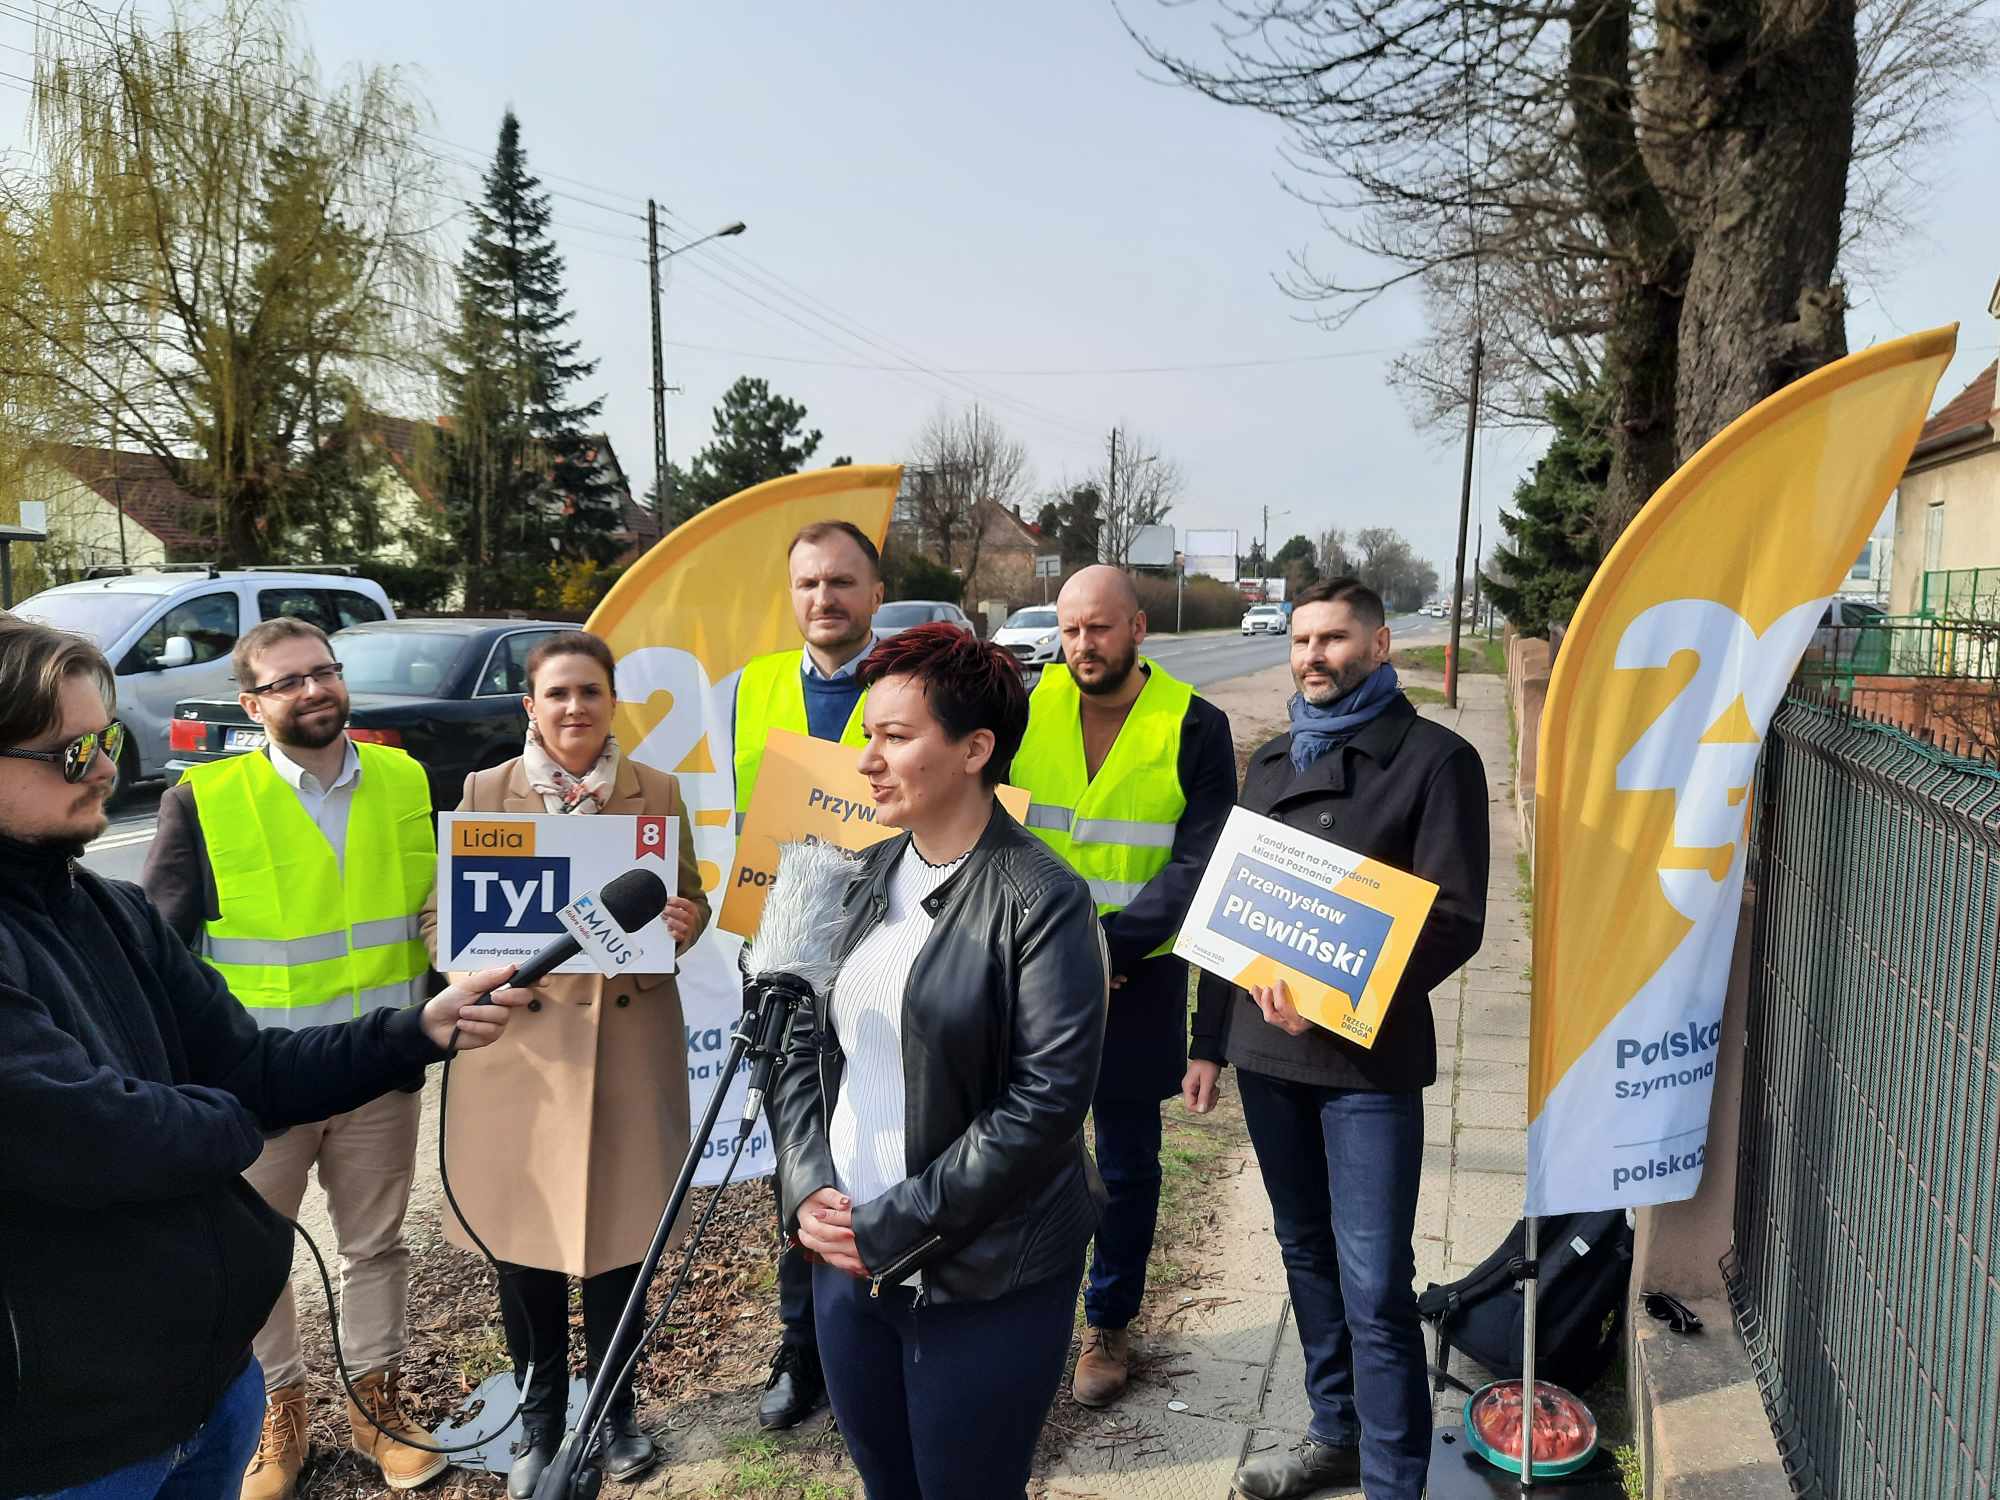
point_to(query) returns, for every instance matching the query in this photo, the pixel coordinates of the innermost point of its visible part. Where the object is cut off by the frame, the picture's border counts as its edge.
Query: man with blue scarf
(1339, 1129)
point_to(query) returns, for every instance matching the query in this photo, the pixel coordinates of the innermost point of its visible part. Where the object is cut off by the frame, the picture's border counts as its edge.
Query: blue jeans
(1128, 1159)
(208, 1466)
(1341, 1169)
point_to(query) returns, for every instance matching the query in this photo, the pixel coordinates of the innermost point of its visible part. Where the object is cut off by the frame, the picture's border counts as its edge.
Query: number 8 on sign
(652, 835)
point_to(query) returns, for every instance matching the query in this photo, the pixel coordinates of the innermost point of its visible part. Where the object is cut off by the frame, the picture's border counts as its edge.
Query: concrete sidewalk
(1223, 1376)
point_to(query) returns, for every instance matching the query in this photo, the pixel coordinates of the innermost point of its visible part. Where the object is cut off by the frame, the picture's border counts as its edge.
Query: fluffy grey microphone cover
(801, 915)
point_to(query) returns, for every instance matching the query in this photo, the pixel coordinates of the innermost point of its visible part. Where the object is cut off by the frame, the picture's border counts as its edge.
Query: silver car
(169, 635)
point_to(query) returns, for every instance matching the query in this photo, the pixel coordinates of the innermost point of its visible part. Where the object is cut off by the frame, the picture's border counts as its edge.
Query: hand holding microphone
(473, 1011)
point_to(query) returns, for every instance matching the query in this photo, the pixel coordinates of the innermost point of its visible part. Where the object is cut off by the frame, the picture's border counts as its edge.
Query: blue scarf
(1317, 730)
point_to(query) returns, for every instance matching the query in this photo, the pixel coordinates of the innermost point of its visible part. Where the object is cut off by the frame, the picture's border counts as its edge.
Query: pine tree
(758, 436)
(1538, 576)
(525, 485)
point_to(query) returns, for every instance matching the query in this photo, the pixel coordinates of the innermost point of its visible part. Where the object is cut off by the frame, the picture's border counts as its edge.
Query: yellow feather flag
(1662, 691)
(681, 622)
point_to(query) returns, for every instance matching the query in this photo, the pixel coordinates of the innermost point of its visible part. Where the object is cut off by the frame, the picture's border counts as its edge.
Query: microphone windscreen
(800, 924)
(634, 898)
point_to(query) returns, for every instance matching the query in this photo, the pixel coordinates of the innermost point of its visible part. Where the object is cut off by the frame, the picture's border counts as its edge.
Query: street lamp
(662, 500)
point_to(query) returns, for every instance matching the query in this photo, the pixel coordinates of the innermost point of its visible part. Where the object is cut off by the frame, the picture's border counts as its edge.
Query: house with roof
(1948, 505)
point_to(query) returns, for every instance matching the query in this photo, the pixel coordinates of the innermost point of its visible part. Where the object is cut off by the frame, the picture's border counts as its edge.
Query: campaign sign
(808, 791)
(510, 883)
(1277, 904)
(1329, 937)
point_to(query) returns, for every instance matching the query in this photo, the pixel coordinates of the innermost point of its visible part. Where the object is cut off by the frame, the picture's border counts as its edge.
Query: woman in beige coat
(563, 1147)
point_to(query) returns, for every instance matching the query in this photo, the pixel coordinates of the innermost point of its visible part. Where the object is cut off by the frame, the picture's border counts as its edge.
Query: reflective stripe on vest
(296, 943)
(771, 694)
(1115, 830)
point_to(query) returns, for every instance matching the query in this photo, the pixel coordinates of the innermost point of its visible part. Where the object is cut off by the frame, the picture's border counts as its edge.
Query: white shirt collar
(302, 780)
(846, 669)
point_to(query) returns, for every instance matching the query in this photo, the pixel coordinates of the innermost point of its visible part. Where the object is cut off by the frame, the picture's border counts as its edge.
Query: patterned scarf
(1317, 730)
(563, 792)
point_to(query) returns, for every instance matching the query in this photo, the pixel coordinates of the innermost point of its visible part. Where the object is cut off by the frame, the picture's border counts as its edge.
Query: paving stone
(1221, 1390)
(1286, 1408)
(1481, 1150)
(1149, 1455)
(1490, 984)
(1437, 1119)
(1494, 1015)
(1482, 1075)
(1240, 1326)
(1489, 1048)
(1487, 1195)
(1471, 1240)
(1493, 1111)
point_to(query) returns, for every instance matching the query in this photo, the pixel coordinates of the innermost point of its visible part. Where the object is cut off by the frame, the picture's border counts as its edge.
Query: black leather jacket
(1003, 1030)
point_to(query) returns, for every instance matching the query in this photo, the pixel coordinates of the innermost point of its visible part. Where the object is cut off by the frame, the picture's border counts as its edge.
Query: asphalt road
(1199, 659)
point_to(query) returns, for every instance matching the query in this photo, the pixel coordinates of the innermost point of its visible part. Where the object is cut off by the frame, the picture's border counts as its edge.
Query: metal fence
(1866, 1268)
(1970, 593)
(1903, 646)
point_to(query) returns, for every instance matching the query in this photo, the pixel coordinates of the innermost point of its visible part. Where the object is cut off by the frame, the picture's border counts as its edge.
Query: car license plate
(245, 739)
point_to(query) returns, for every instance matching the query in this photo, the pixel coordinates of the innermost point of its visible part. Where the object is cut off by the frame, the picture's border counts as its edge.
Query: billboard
(1152, 547)
(1212, 554)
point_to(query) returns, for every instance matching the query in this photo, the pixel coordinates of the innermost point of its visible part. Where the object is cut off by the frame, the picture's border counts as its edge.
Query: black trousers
(534, 1309)
(795, 1292)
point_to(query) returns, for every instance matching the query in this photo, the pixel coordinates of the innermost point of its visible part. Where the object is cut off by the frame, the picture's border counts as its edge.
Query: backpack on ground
(1584, 1267)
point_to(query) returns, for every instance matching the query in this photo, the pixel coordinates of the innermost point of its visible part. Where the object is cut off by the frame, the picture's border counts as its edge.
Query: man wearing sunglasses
(136, 1264)
(299, 872)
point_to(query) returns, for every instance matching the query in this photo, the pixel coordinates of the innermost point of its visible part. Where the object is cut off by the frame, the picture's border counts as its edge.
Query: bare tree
(1649, 194)
(963, 462)
(1331, 558)
(1140, 487)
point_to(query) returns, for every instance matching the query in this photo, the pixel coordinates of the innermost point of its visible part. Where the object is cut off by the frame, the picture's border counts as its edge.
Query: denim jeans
(1341, 1169)
(1128, 1159)
(208, 1466)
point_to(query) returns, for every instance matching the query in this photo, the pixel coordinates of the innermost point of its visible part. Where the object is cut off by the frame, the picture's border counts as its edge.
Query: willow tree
(210, 255)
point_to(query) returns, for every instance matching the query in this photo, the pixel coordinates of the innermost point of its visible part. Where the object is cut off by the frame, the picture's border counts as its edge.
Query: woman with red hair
(930, 1112)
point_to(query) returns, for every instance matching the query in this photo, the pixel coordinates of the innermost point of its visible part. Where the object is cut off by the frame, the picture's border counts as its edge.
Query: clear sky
(991, 188)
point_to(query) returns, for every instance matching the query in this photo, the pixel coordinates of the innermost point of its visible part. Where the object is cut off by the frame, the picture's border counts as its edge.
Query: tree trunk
(1771, 88)
(1649, 260)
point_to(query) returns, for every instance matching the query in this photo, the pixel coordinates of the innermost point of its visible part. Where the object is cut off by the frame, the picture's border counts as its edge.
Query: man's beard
(1116, 675)
(312, 736)
(1345, 680)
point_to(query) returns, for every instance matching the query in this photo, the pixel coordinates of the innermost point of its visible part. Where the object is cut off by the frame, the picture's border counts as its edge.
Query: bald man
(1130, 777)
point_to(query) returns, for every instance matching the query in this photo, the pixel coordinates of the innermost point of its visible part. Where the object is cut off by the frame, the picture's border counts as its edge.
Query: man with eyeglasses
(299, 873)
(136, 1264)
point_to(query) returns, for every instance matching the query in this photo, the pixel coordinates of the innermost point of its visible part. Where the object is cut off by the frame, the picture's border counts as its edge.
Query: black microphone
(632, 900)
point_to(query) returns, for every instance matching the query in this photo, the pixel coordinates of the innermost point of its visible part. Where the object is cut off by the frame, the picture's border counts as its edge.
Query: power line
(1193, 367)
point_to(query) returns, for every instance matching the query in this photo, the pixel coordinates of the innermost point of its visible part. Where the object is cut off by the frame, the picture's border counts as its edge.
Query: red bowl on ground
(1565, 1431)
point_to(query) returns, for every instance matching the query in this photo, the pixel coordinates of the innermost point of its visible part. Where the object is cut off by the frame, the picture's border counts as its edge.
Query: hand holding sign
(1275, 1001)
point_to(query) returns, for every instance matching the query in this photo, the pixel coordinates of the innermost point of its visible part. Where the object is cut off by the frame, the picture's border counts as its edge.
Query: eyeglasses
(285, 687)
(76, 757)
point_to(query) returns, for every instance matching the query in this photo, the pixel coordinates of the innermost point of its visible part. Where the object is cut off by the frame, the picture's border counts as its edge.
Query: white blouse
(866, 1135)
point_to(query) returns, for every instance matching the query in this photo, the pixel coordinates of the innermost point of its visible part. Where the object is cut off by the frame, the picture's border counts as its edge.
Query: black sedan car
(447, 691)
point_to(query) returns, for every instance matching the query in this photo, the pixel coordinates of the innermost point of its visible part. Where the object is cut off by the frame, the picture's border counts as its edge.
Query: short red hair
(969, 683)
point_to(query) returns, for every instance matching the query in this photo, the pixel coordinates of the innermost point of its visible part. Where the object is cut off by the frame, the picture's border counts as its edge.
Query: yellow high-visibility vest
(771, 695)
(298, 944)
(1116, 829)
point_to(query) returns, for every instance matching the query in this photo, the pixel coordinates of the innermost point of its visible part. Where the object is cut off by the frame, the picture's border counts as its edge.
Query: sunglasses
(76, 757)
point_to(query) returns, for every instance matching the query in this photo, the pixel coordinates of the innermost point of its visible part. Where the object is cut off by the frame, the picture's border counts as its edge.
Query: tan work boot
(382, 1431)
(281, 1451)
(1103, 1367)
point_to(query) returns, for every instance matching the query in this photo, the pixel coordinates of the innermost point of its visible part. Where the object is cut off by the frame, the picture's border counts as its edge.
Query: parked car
(904, 613)
(447, 691)
(1030, 636)
(169, 634)
(1265, 619)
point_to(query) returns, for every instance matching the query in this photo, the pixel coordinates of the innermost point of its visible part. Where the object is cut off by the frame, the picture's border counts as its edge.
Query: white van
(169, 634)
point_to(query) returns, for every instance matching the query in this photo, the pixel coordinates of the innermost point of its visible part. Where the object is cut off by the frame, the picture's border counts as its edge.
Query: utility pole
(1478, 555)
(662, 501)
(1464, 516)
(1110, 526)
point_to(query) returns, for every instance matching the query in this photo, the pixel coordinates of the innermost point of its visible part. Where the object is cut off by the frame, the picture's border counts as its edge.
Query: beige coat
(564, 1137)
